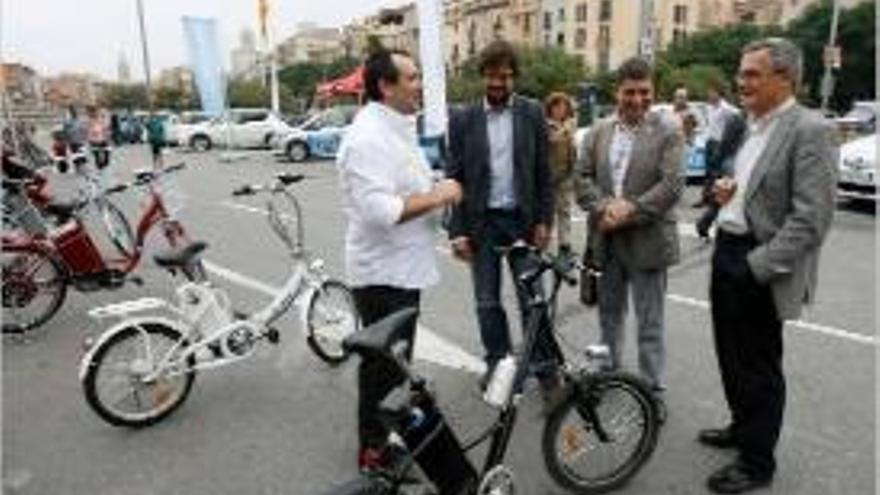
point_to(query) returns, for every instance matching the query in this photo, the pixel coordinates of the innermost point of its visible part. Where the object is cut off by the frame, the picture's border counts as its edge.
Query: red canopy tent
(352, 84)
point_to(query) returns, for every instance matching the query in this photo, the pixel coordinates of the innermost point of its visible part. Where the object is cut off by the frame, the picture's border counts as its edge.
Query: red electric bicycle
(37, 270)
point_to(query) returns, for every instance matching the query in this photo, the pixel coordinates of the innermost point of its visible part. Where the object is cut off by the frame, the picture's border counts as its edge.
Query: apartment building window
(527, 24)
(581, 12)
(604, 48)
(560, 40)
(605, 13)
(580, 39)
(561, 16)
(680, 14)
(548, 21)
(498, 27)
(678, 35)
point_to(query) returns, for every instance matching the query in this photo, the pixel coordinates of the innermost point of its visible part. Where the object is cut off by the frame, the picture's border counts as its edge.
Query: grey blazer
(789, 205)
(469, 163)
(654, 181)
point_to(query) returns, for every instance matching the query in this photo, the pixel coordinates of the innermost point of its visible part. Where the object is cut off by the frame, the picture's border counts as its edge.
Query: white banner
(433, 68)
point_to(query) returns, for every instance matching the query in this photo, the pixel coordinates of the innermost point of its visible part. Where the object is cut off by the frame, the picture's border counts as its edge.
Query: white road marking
(685, 229)
(430, 347)
(805, 325)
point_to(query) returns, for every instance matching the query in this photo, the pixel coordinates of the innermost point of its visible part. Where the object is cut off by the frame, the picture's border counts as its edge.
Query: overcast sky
(88, 35)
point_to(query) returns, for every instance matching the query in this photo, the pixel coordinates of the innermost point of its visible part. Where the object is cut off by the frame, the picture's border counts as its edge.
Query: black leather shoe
(737, 478)
(720, 438)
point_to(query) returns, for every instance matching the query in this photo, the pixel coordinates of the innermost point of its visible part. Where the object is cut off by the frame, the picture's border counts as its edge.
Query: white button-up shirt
(381, 164)
(619, 154)
(499, 127)
(732, 217)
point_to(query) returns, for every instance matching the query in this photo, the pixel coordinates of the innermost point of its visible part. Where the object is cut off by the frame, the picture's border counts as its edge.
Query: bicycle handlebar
(116, 189)
(561, 266)
(246, 190)
(282, 180)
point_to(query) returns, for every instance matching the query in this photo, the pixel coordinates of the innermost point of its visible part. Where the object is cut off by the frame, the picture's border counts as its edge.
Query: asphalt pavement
(284, 422)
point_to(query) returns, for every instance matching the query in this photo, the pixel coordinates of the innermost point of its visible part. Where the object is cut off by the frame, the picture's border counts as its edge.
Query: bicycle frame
(154, 213)
(500, 431)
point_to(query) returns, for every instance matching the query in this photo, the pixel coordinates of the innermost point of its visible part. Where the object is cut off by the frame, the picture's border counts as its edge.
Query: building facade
(311, 44)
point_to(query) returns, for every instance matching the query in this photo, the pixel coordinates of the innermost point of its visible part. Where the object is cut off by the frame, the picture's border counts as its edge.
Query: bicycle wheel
(115, 386)
(618, 405)
(34, 287)
(331, 316)
(118, 229)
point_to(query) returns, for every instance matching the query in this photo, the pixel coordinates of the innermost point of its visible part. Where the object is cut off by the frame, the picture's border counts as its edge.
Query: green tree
(248, 93)
(857, 37)
(720, 48)
(124, 96)
(301, 78)
(174, 99)
(696, 78)
(542, 71)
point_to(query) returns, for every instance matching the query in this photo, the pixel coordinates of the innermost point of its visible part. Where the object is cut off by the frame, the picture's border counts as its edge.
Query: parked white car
(178, 127)
(319, 136)
(239, 128)
(858, 169)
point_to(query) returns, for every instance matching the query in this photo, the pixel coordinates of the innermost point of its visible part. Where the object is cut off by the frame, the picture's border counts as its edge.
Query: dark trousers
(101, 153)
(748, 343)
(378, 375)
(502, 229)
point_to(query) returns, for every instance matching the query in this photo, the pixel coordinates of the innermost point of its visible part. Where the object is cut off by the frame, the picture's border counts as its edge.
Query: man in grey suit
(776, 211)
(498, 152)
(629, 181)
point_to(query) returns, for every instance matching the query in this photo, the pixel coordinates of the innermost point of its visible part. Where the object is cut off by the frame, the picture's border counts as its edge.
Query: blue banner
(204, 56)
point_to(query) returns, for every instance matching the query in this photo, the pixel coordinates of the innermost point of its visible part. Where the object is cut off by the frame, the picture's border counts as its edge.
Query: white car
(178, 127)
(319, 136)
(858, 169)
(239, 128)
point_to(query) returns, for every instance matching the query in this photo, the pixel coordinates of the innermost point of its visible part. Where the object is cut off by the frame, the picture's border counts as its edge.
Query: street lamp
(140, 11)
(831, 56)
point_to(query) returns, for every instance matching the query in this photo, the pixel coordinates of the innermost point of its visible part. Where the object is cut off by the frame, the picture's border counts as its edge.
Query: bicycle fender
(87, 358)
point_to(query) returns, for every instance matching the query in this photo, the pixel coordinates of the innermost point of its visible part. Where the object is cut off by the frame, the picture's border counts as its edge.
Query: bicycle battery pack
(437, 450)
(77, 249)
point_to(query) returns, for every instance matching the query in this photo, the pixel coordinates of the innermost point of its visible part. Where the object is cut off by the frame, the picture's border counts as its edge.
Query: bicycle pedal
(216, 349)
(273, 335)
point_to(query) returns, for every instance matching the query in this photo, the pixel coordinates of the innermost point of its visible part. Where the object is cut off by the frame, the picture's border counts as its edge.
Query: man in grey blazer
(498, 152)
(629, 181)
(776, 211)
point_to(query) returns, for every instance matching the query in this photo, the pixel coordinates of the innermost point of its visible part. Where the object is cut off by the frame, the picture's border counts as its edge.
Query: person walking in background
(776, 212)
(75, 133)
(629, 180)
(686, 119)
(156, 139)
(393, 208)
(719, 112)
(115, 129)
(498, 151)
(98, 135)
(561, 127)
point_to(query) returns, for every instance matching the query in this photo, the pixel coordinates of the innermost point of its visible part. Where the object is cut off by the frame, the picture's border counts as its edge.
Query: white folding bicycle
(142, 368)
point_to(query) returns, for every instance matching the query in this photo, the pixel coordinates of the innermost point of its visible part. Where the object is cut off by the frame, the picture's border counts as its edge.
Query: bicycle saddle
(180, 257)
(380, 336)
(62, 210)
